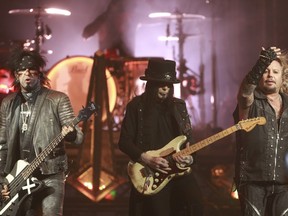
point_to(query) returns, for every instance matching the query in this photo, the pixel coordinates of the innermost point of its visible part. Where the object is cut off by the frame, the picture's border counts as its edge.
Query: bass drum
(72, 76)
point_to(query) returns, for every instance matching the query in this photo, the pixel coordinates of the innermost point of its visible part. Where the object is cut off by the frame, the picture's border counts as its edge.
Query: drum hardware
(42, 31)
(180, 36)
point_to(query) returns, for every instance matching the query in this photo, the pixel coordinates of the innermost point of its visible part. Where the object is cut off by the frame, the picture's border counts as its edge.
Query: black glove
(266, 57)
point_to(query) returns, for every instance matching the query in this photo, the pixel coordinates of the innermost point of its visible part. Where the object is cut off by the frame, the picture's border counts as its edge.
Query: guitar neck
(28, 170)
(199, 145)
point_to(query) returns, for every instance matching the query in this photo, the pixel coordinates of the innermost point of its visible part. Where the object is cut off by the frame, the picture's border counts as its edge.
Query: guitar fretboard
(18, 181)
(199, 145)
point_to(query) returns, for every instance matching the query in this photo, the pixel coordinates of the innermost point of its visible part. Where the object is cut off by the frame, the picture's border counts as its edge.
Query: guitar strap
(27, 147)
(140, 111)
(182, 118)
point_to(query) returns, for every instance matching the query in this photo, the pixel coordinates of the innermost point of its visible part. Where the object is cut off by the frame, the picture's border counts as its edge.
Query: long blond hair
(283, 60)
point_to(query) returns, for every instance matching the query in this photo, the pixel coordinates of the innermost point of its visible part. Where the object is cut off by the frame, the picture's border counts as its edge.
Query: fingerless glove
(266, 57)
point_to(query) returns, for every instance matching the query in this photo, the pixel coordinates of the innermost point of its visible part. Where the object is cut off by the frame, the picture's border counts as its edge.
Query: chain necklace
(25, 116)
(277, 106)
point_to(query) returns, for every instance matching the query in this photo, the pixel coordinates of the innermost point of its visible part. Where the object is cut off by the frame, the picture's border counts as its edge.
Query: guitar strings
(27, 171)
(35, 163)
(17, 180)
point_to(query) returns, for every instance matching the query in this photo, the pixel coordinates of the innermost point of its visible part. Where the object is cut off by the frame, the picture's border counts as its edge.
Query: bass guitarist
(151, 121)
(29, 120)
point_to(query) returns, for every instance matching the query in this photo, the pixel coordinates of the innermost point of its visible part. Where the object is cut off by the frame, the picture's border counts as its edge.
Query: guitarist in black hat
(151, 121)
(30, 119)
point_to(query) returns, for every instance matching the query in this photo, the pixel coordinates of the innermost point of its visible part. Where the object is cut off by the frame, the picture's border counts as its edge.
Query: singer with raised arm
(261, 157)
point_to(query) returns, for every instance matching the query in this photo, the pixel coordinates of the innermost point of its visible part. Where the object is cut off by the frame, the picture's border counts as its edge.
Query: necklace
(24, 116)
(277, 106)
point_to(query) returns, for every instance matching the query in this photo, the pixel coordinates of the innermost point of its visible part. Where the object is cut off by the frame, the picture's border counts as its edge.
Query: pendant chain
(25, 116)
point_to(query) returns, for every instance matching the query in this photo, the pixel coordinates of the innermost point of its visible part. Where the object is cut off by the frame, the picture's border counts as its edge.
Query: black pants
(180, 197)
(48, 201)
(263, 199)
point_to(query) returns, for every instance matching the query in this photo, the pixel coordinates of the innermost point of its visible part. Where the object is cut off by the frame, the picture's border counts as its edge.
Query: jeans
(48, 201)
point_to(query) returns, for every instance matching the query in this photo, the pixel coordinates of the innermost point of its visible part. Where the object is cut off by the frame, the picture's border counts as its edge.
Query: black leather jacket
(131, 138)
(55, 112)
(261, 153)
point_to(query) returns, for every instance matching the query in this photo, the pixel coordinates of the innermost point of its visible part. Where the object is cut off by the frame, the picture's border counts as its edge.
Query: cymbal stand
(182, 68)
(184, 71)
(39, 32)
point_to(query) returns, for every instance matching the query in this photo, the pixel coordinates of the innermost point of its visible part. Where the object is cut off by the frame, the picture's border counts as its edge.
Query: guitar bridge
(146, 184)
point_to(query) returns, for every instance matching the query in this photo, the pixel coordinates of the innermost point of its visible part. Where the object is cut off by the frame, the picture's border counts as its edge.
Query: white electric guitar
(148, 181)
(21, 182)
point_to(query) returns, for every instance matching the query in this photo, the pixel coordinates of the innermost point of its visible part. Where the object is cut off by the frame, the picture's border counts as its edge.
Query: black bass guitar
(21, 182)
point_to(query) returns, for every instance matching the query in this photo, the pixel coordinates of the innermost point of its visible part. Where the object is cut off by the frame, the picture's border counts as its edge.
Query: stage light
(87, 181)
(4, 89)
(234, 194)
(107, 184)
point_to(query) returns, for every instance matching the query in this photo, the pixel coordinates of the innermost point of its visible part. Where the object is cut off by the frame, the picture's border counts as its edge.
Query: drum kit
(180, 36)
(42, 31)
(122, 80)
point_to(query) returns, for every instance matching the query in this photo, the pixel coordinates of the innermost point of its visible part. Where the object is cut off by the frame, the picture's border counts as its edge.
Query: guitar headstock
(249, 124)
(86, 112)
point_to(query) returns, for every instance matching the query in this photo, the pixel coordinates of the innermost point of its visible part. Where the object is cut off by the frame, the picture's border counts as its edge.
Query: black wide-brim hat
(160, 70)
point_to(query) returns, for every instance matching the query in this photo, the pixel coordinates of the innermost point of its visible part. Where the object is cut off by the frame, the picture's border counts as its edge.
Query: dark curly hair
(15, 59)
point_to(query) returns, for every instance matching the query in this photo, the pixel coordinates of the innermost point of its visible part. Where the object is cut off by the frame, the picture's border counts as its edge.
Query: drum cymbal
(175, 16)
(40, 11)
